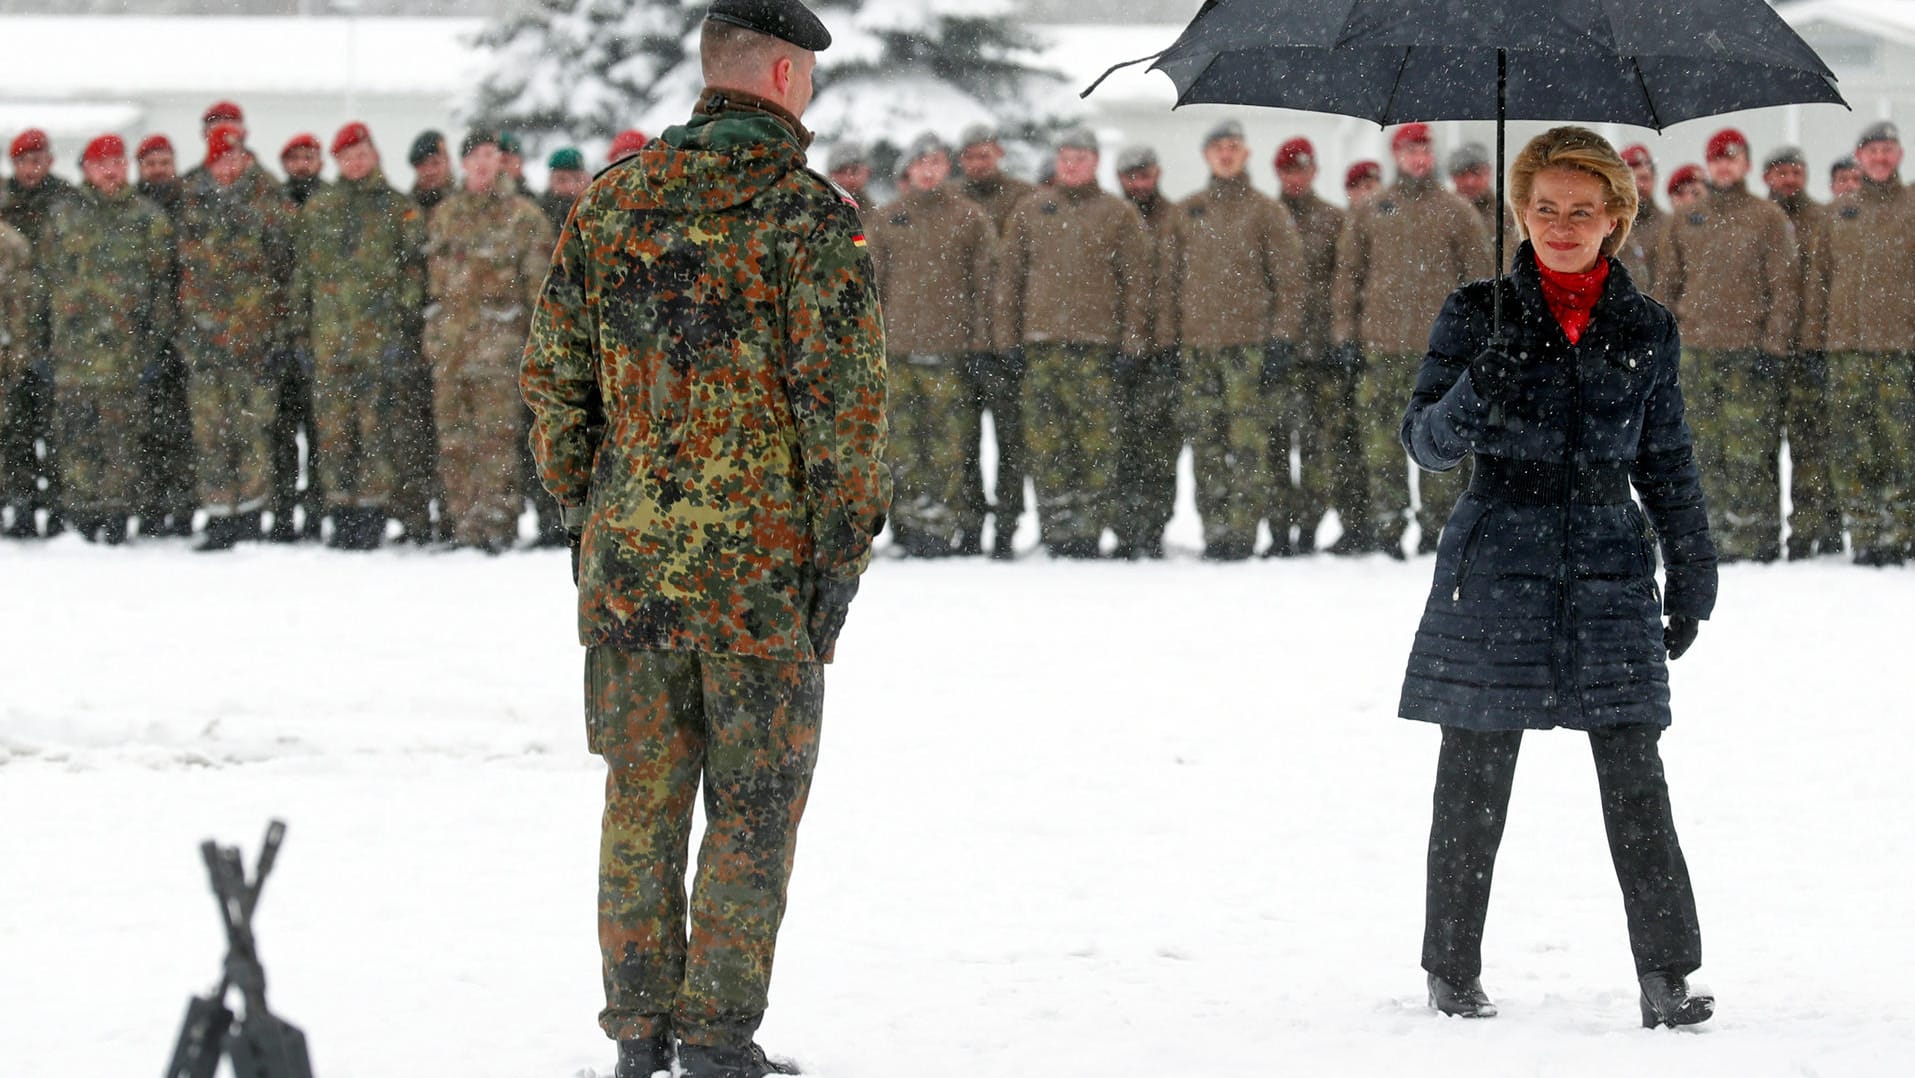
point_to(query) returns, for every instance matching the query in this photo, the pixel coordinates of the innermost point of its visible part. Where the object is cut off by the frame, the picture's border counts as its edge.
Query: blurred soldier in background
(1815, 521)
(301, 160)
(1645, 233)
(1329, 455)
(359, 295)
(568, 180)
(1071, 310)
(487, 250)
(932, 250)
(166, 505)
(1845, 176)
(512, 163)
(625, 144)
(1233, 297)
(15, 340)
(1362, 181)
(1727, 268)
(106, 282)
(850, 167)
(159, 173)
(1474, 178)
(431, 170)
(235, 256)
(295, 421)
(1144, 490)
(1871, 346)
(1402, 252)
(1687, 187)
(26, 461)
(997, 383)
(415, 434)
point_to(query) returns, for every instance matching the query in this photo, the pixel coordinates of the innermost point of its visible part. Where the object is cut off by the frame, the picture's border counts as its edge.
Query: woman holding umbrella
(1545, 612)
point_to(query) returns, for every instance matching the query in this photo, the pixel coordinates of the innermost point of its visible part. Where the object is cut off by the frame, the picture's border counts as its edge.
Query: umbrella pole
(1502, 91)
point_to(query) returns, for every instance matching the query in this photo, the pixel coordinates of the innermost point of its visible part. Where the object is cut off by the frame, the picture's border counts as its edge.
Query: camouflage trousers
(352, 418)
(1383, 392)
(1815, 518)
(96, 444)
(293, 418)
(1000, 391)
(478, 423)
(1222, 412)
(1071, 403)
(1734, 403)
(415, 450)
(233, 407)
(1150, 437)
(1287, 416)
(929, 424)
(167, 442)
(1872, 447)
(1330, 448)
(25, 411)
(747, 730)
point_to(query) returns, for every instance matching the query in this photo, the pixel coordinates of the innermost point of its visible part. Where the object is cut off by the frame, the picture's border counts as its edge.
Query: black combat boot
(282, 530)
(1464, 1000)
(1352, 543)
(970, 541)
(1235, 549)
(644, 1057)
(227, 532)
(1666, 1001)
(700, 1061)
(917, 544)
(113, 529)
(23, 526)
(1075, 549)
(358, 528)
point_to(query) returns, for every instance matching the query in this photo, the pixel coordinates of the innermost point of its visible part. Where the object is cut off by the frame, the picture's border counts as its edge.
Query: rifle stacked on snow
(260, 1045)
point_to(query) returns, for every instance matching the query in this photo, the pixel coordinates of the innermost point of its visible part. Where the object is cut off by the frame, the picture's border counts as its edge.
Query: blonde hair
(1582, 150)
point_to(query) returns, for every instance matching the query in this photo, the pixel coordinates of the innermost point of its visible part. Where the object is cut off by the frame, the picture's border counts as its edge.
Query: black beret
(788, 20)
(427, 144)
(476, 138)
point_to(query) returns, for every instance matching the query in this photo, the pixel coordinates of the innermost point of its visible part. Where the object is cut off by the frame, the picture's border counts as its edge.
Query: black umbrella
(1396, 61)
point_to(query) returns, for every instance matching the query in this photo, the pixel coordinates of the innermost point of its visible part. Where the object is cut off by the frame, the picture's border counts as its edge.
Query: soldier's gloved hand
(1171, 362)
(1348, 355)
(829, 604)
(978, 366)
(281, 362)
(575, 540)
(1768, 365)
(1122, 366)
(154, 370)
(1494, 373)
(1278, 358)
(1012, 363)
(1679, 634)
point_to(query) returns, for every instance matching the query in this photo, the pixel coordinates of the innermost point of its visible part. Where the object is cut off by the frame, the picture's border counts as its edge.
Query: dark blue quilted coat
(1545, 615)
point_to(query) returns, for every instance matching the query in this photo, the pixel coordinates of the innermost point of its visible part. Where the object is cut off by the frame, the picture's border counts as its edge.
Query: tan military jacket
(1074, 268)
(1638, 250)
(934, 251)
(1400, 256)
(1233, 269)
(1318, 226)
(1810, 220)
(15, 308)
(999, 196)
(1160, 216)
(1728, 271)
(1869, 263)
(486, 257)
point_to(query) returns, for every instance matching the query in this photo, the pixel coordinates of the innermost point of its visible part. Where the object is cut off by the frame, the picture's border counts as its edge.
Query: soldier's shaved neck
(735, 58)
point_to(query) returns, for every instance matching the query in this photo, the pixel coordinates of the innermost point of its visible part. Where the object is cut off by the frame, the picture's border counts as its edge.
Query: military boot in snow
(227, 532)
(702, 1061)
(1460, 1000)
(1667, 1001)
(644, 1057)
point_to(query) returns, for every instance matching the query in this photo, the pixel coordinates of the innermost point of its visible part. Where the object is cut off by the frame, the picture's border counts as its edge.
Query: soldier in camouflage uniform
(1329, 454)
(1072, 310)
(26, 451)
(1869, 264)
(486, 252)
(166, 505)
(15, 335)
(1728, 270)
(294, 415)
(106, 282)
(1815, 521)
(932, 251)
(996, 384)
(235, 236)
(567, 167)
(1149, 434)
(359, 295)
(707, 370)
(1402, 252)
(415, 445)
(1232, 293)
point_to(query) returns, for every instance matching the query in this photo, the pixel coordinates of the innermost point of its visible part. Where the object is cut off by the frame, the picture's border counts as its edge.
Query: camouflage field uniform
(15, 334)
(997, 387)
(26, 415)
(1815, 520)
(932, 252)
(1330, 456)
(294, 415)
(106, 278)
(485, 255)
(359, 291)
(236, 261)
(1149, 393)
(167, 442)
(415, 446)
(706, 371)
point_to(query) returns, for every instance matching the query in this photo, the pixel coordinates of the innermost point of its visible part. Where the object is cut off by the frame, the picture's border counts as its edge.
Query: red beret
(223, 112)
(1727, 142)
(349, 136)
(625, 144)
(223, 139)
(1685, 174)
(1637, 154)
(32, 140)
(1362, 170)
(1409, 133)
(104, 148)
(301, 141)
(1296, 153)
(153, 144)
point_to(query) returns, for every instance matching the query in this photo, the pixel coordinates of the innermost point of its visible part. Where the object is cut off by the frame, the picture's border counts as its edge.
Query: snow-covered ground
(1071, 819)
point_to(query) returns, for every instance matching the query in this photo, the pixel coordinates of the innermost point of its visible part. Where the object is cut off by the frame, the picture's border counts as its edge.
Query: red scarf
(1572, 296)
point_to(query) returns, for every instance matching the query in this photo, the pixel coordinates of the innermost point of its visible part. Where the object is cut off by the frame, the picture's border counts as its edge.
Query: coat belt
(1543, 482)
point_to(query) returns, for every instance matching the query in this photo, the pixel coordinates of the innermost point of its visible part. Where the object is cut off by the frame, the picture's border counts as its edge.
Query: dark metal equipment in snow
(258, 1043)
(1646, 63)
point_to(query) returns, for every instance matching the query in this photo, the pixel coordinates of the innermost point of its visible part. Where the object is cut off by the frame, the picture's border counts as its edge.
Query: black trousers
(1473, 776)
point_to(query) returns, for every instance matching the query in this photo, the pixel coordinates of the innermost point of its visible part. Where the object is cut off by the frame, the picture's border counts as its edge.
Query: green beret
(566, 159)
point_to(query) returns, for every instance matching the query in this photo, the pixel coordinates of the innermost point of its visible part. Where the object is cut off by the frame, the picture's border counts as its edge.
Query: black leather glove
(1012, 363)
(829, 603)
(1679, 634)
(1494, 373)
(1278, 358)
(574, 539)
(1348, 355)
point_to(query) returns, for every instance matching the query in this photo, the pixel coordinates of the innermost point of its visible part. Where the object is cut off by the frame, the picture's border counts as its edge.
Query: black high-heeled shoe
(1466, 1000)
(1667, 1001)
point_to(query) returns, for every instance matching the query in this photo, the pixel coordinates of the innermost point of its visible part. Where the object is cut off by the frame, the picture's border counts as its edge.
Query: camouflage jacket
(27, 209)
(486, 255)
(105, 287)
(359, 285)
(706, 373)
(236, 265)
(14, 308)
